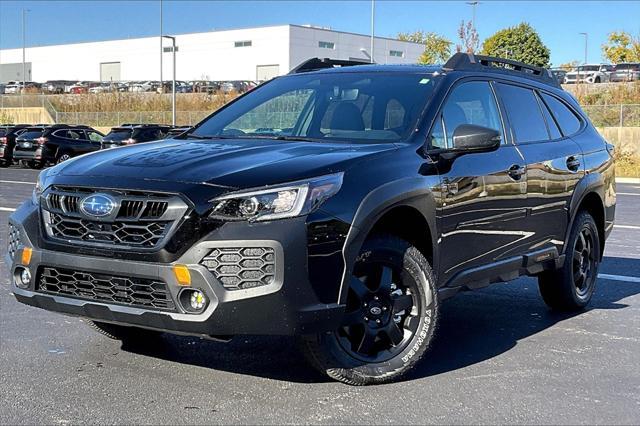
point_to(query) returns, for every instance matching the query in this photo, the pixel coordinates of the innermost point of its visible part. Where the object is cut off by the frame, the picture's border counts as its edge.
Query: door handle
(573, 163)
(516, 171)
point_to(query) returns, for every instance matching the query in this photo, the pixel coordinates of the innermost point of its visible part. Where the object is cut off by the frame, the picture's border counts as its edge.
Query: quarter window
(470, 103)
(554, 132)
(438, 139)
(567, 120)
(524, 113)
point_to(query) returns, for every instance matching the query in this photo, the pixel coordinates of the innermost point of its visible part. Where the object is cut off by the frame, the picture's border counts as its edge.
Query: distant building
(243, 54)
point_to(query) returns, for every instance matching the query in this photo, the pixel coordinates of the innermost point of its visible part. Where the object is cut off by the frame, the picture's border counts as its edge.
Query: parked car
(591, 73)
(57, 86)
(559, 75)
(129, 134)
(176, 131)
(397, 187)
(8, 134)
(628, 71)
(38, 146)
(13, 87)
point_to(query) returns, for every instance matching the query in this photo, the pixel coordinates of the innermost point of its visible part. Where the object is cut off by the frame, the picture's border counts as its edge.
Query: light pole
(24, 48)
(161, 53)
(473, 5)
(373, 26)
(586, 39)
(173, 88)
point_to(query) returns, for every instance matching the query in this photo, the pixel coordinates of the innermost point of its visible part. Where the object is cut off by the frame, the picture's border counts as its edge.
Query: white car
(589, 73)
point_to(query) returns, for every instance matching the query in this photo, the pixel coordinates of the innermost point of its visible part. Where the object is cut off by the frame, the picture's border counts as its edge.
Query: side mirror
(469, 137)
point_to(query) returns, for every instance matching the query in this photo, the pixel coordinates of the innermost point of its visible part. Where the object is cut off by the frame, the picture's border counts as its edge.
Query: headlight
(37, 191)
(278, 202)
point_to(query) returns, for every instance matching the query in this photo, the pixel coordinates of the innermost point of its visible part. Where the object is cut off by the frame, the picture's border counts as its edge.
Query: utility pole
(161, 52)
(24, 62)
(373, 26)
(586, 39)
(173, 90)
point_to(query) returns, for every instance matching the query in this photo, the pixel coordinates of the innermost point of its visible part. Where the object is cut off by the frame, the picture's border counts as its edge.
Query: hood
(232, 163)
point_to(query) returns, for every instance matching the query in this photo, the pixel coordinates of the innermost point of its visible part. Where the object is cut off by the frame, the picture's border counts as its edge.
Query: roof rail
(468, 61)
(314, 64)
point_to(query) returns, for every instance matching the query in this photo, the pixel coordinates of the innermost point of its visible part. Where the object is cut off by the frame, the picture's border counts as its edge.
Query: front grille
(13, 241)
(140, 220)
(132, 234)
(130, 291)
(240, 268)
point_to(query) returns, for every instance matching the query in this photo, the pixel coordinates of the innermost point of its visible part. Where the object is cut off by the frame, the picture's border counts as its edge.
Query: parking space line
(627, 193)
(17, 181)
(7, 209)
(626, 226)
(619, 278)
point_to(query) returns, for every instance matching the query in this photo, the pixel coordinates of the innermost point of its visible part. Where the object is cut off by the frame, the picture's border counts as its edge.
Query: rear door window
(525, 115)
(567, 120)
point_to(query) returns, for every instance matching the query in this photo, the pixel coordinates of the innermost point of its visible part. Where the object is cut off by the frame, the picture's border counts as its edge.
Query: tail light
(42, 140)
(129, 141)
(3, 140)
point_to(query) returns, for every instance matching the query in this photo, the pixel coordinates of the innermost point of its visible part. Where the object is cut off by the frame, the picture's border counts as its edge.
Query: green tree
(521, 43)
(621, 47)
(437, 48)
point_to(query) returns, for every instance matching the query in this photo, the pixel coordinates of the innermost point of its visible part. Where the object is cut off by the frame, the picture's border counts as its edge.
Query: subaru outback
(341, 203)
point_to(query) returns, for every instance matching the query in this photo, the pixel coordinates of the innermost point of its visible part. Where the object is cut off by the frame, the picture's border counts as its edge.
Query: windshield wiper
(295, 138)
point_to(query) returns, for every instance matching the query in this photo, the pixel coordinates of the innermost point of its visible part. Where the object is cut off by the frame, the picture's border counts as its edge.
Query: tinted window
(118, 135)
(470, 103)
(554, 132)
(438, 139)
(3, 132)
(524, 113)
(94, 136)
(75, 134)
(567, 120)
(31, 134)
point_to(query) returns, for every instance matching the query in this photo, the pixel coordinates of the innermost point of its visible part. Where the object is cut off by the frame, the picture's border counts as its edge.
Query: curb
(627, 180)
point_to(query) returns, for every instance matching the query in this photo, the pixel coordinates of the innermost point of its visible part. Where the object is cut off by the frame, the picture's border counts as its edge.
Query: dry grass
(627, 165)
(614, 94)
(139, 102)
(5, 118)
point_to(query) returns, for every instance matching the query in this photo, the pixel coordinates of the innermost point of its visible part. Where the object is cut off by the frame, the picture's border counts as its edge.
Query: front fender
(415, 192)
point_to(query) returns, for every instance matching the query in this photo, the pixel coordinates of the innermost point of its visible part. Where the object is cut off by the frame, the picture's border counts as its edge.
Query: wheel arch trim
(412, 192)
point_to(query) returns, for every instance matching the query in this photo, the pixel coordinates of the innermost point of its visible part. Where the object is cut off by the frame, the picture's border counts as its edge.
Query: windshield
(589, 68)
(355, 107)
(117, 135)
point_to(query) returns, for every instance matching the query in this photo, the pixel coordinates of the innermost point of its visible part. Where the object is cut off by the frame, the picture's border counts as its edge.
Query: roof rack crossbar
(314, 64)
(468, 61)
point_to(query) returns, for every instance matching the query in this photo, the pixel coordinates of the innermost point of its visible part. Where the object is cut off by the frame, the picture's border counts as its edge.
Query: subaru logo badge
(98, 205)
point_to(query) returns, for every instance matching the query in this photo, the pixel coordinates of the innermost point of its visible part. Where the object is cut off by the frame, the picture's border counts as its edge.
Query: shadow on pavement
(474, 327)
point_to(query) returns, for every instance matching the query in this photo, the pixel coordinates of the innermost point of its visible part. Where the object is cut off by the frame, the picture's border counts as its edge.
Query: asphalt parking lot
(500, 357)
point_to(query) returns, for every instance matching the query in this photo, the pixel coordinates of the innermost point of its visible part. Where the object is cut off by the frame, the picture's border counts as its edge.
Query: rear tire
(62, 158)
(390, 318)
(124, 333)
(571, 287)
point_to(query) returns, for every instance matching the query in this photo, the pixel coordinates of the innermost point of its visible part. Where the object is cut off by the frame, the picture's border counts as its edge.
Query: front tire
(62, 158)
(390, 318)
(571, 287)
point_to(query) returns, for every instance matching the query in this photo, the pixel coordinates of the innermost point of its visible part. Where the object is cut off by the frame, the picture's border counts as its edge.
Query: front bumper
(286, 306)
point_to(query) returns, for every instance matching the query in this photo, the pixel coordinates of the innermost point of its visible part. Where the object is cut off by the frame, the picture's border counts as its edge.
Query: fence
(111, 119)
(626, 115)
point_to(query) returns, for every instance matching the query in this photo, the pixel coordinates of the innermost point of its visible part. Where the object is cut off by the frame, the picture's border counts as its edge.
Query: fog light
(192, 300)
(22, 277)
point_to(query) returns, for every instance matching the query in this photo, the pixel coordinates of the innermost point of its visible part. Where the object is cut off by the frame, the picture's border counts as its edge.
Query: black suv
(128, 134)
(368, 196)
(38, 145)
(8, 135)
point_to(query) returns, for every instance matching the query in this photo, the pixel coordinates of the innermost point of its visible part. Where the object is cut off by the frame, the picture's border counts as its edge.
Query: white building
(243, 54)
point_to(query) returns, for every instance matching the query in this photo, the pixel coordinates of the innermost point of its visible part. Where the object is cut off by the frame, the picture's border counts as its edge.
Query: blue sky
(558, 22)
